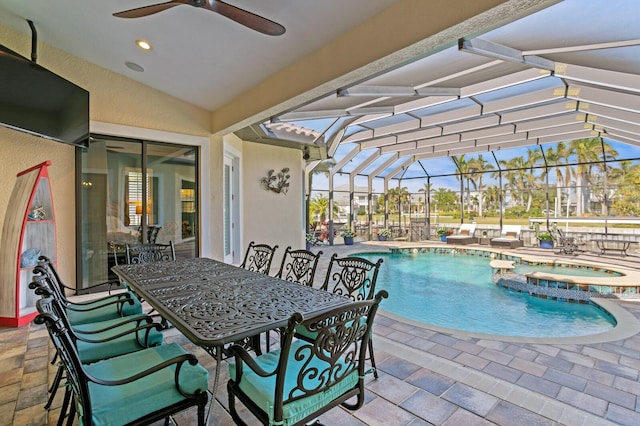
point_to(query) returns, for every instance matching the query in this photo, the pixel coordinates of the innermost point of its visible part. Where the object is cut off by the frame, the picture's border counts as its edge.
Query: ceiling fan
(241, 16)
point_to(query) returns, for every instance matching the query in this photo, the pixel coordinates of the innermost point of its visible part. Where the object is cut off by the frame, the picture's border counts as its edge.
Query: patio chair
(354, 277)
(258, 258)
(566, 245)
(98, 341)
(464, 235)
(148, 253)
(509, 237)
(137, 388)
(303, 379)
(299, 266)
(154, 252)
(97, 309)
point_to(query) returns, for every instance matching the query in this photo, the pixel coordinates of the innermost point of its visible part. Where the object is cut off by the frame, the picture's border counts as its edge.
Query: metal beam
(505, 53)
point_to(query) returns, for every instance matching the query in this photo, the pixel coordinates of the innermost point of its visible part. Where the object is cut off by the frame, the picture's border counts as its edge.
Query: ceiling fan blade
(246, 18)
(149, 10)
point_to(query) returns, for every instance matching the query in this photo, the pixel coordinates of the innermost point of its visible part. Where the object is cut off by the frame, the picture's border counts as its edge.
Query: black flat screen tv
(37, 101)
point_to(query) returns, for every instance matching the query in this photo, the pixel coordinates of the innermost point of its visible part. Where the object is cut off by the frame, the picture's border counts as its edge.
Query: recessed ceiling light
(143, 44)
(134, 66)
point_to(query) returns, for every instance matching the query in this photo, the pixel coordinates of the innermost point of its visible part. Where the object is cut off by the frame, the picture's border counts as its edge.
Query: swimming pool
(456, 291)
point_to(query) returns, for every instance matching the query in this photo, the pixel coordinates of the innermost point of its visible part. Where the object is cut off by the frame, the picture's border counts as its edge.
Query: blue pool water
(456, 291)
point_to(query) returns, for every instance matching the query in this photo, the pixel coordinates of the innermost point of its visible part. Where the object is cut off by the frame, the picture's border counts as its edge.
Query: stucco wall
(268, 217)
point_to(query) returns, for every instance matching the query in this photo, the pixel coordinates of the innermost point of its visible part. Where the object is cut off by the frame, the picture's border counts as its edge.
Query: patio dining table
(215, 304)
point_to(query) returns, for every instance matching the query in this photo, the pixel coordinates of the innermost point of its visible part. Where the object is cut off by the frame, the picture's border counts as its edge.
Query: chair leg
(72, 414)
(64, 407)
(372, 358)
(54, 387)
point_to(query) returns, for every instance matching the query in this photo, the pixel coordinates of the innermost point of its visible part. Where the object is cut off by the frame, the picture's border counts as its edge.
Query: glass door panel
(134, 192)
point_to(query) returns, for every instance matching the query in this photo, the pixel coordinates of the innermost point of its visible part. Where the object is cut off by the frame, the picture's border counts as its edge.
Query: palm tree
(587, 152)
(534, 158)
(323, 167)
(464, 173)
(479, 167)
(320, 206)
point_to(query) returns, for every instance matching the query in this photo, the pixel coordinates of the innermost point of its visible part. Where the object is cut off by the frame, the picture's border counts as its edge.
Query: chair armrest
(106, 299)
(85, 307)
(94, 286)
(138, 319)
(242, 357)
(177, 360)
(143, 341)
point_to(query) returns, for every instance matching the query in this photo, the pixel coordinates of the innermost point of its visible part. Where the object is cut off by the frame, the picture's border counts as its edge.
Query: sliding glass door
(134, 192)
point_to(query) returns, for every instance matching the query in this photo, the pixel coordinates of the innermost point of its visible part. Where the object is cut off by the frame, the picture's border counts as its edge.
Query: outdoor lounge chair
(464, 235)
(509, 237)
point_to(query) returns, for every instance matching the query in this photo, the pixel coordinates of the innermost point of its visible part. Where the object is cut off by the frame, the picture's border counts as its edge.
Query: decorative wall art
(37, 213)
(276, 182)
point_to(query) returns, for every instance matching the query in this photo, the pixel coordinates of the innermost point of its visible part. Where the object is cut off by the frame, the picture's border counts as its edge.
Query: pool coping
(627, 325)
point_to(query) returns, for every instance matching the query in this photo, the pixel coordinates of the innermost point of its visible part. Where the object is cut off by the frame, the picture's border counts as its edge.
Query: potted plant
(443, 232)
(310, 240)
(545, 240)
(348, 235)
(384, 234)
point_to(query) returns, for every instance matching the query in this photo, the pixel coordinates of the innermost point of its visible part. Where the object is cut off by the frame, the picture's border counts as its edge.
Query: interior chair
(137, 388)
(98, 341)
(97, 309)
(303, 379)
(509, 237)
(153, 252)
(258, 258)
(152, 234)
(464, 235)
(299, 266)
(354, 277)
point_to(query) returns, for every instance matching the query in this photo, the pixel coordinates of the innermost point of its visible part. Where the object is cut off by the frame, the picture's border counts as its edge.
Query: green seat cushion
(262, 389)
(87, 315)
(114, 405)
(132, 342)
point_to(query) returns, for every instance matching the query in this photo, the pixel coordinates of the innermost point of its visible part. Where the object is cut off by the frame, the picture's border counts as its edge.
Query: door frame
(232, 232)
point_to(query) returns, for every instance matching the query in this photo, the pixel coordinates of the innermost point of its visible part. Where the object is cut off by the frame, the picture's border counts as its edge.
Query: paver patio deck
(428, 375)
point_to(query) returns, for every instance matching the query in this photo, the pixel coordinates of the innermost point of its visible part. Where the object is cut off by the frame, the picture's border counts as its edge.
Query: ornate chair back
(46, 276)
(303, 379)
(299, 266)
(147, 253)
(352, 276)
(258, 258)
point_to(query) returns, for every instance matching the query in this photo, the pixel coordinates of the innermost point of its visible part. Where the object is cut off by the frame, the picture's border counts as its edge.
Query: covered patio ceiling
(567, 72)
